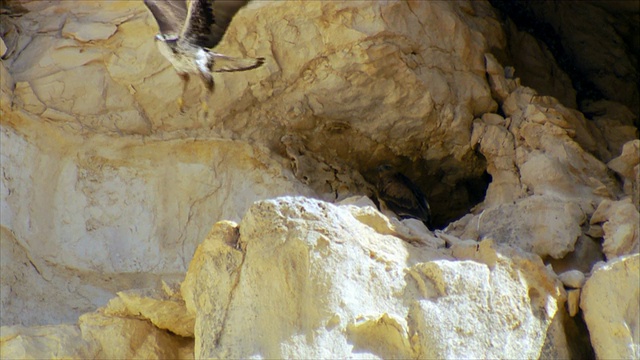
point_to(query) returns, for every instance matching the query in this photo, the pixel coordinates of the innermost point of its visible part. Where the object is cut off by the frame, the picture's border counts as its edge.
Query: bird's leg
(207, 79)
(185, 81)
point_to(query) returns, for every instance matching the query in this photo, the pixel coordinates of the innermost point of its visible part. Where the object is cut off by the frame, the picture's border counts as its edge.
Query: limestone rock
(117, 212)
(126, 338)
(609, 302)
(44, 342)
(621, 227)
(215, 268)
(573, 301)
(164, 311)
(97, 337)
(359, 292)
(410, 230)
(33, 292)
(386, 79)
(497, 144)
(627, 161)
(543, 225)
(587, 252)
(115, 180)
(88, 32)
(572, 278)
(628, 165)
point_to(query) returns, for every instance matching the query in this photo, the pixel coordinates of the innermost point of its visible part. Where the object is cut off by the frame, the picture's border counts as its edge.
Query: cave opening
(464, 196)
(600, 59)
(525, 19)
(450, 196)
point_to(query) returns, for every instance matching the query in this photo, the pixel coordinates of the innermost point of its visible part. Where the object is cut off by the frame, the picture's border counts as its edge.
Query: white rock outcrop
(331, 286)
(611, 304)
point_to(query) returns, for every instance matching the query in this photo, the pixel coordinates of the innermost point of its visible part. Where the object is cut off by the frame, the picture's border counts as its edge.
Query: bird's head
(166, 38)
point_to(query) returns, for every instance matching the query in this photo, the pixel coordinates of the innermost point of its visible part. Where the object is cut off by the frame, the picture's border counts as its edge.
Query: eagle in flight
(189, 29)
(400, 195)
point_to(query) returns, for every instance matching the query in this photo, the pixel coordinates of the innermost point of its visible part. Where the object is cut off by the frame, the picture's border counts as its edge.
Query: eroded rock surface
(361, 293)
(610, 301)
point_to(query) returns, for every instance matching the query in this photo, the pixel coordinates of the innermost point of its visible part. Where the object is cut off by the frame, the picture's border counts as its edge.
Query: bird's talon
(181, 104)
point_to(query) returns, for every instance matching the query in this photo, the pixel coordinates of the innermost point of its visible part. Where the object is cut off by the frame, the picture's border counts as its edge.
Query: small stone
(625, 163)
(595, 231)
(493, 119)
(3, 48)
(573, 301)
(572, 279)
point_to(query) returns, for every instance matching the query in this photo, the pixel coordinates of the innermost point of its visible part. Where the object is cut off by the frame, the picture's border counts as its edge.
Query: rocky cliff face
(108, 188)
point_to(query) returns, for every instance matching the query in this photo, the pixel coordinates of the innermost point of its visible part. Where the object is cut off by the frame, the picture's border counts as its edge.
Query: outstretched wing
(169, 14)
(208, 20)
(223, 63)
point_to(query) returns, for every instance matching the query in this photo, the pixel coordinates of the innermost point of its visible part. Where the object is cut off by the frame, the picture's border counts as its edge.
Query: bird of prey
(401, 195)
(189, 29)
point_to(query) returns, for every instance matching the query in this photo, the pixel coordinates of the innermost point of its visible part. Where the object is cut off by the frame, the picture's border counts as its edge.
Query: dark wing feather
(404, 198)
(208, 21)
(420, 199)
(169, 14)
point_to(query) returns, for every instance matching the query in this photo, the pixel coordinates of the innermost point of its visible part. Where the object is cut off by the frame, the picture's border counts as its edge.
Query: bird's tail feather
(223, 63)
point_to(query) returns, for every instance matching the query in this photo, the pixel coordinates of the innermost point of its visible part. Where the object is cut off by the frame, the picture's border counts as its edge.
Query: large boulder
(611, 301)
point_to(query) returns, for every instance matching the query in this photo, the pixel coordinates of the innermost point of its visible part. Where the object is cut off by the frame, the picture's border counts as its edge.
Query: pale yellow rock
(573, 301)
(361, 293)
(33, 292)
(109, 193)
(625, 163)
(621, 227)
(493, 119)
(126, 338)
(3, 48)
(610, 303)
(572, 278)
(383, 336)
(410, 230)
(371, 85)
(6, 95)
(163, 311)
(29, 99)
(543, 225)
(215, 268)
(628, 165)
(497, 81)
(497, 144)
(44, 342)
(97, 336)
(88, 31)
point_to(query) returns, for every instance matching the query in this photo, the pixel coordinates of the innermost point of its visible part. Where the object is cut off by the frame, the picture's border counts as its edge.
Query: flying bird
(400, 195)
(189, 29)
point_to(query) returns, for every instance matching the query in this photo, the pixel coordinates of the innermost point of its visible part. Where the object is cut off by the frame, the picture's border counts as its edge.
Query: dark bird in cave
(399, 194)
